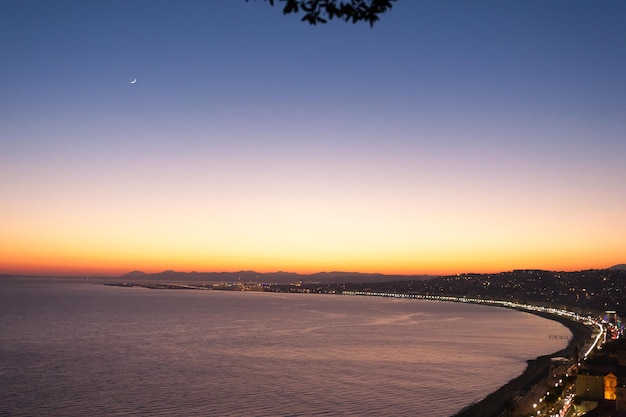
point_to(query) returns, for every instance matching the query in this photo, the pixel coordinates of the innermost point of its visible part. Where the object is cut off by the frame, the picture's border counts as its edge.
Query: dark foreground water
(77, 349)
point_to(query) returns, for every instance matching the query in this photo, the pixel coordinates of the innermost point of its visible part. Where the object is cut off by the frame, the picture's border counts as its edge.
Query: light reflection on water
(86, 349)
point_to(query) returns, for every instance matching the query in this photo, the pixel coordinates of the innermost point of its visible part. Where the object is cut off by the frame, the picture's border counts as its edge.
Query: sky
(453, 136)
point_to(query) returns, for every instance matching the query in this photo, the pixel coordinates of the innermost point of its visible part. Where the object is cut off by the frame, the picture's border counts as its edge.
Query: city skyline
(223, 136)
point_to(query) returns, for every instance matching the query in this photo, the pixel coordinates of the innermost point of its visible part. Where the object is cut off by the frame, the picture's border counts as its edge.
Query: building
(590, 387)
(610, 385)
(620, 400)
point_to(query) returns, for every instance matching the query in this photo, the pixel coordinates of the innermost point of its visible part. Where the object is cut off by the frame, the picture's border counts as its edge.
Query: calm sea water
(77, 349)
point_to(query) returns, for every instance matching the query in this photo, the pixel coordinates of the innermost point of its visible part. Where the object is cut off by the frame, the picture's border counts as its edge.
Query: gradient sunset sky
(454, 136)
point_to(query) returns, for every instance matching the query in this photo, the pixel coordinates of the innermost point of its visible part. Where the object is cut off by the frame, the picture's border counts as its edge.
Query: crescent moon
(134, 81)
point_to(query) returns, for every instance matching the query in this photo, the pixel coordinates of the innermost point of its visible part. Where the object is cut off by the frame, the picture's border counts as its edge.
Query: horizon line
(87, 275)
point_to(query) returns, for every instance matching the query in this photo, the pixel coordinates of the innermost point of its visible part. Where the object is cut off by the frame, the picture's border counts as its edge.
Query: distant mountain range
(271, 277)
(281, 277)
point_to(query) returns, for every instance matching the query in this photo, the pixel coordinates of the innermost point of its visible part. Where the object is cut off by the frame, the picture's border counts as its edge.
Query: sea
(81, 348)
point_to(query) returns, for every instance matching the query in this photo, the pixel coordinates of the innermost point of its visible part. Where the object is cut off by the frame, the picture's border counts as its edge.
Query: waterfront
(77, 348)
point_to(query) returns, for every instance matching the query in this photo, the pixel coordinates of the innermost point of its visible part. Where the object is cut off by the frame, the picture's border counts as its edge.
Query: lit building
(610, 385)
(610, 316)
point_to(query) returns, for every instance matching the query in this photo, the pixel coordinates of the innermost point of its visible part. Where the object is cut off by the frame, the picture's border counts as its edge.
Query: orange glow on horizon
(395, 233)
(81, 267)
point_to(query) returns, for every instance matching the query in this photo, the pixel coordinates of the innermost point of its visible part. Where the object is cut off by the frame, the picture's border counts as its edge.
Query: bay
(72, 348)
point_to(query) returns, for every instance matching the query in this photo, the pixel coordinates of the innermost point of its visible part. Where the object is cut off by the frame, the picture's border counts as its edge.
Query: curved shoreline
(494, 404)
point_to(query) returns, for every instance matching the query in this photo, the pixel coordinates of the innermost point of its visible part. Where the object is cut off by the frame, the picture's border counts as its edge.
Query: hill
(279, 277)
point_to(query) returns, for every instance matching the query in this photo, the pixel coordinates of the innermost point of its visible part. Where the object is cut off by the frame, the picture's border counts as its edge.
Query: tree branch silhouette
(321, 11)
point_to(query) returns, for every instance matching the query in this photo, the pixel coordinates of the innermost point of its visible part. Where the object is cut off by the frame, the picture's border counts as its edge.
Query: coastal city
(586, 378)
(270, 208)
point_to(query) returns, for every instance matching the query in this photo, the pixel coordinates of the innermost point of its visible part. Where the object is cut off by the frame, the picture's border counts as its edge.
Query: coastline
(496, 403)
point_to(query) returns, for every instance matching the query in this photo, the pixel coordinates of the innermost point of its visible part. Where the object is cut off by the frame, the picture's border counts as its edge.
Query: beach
(496, 403)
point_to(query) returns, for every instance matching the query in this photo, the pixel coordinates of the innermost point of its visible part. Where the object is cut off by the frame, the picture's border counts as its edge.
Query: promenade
(534, 380)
